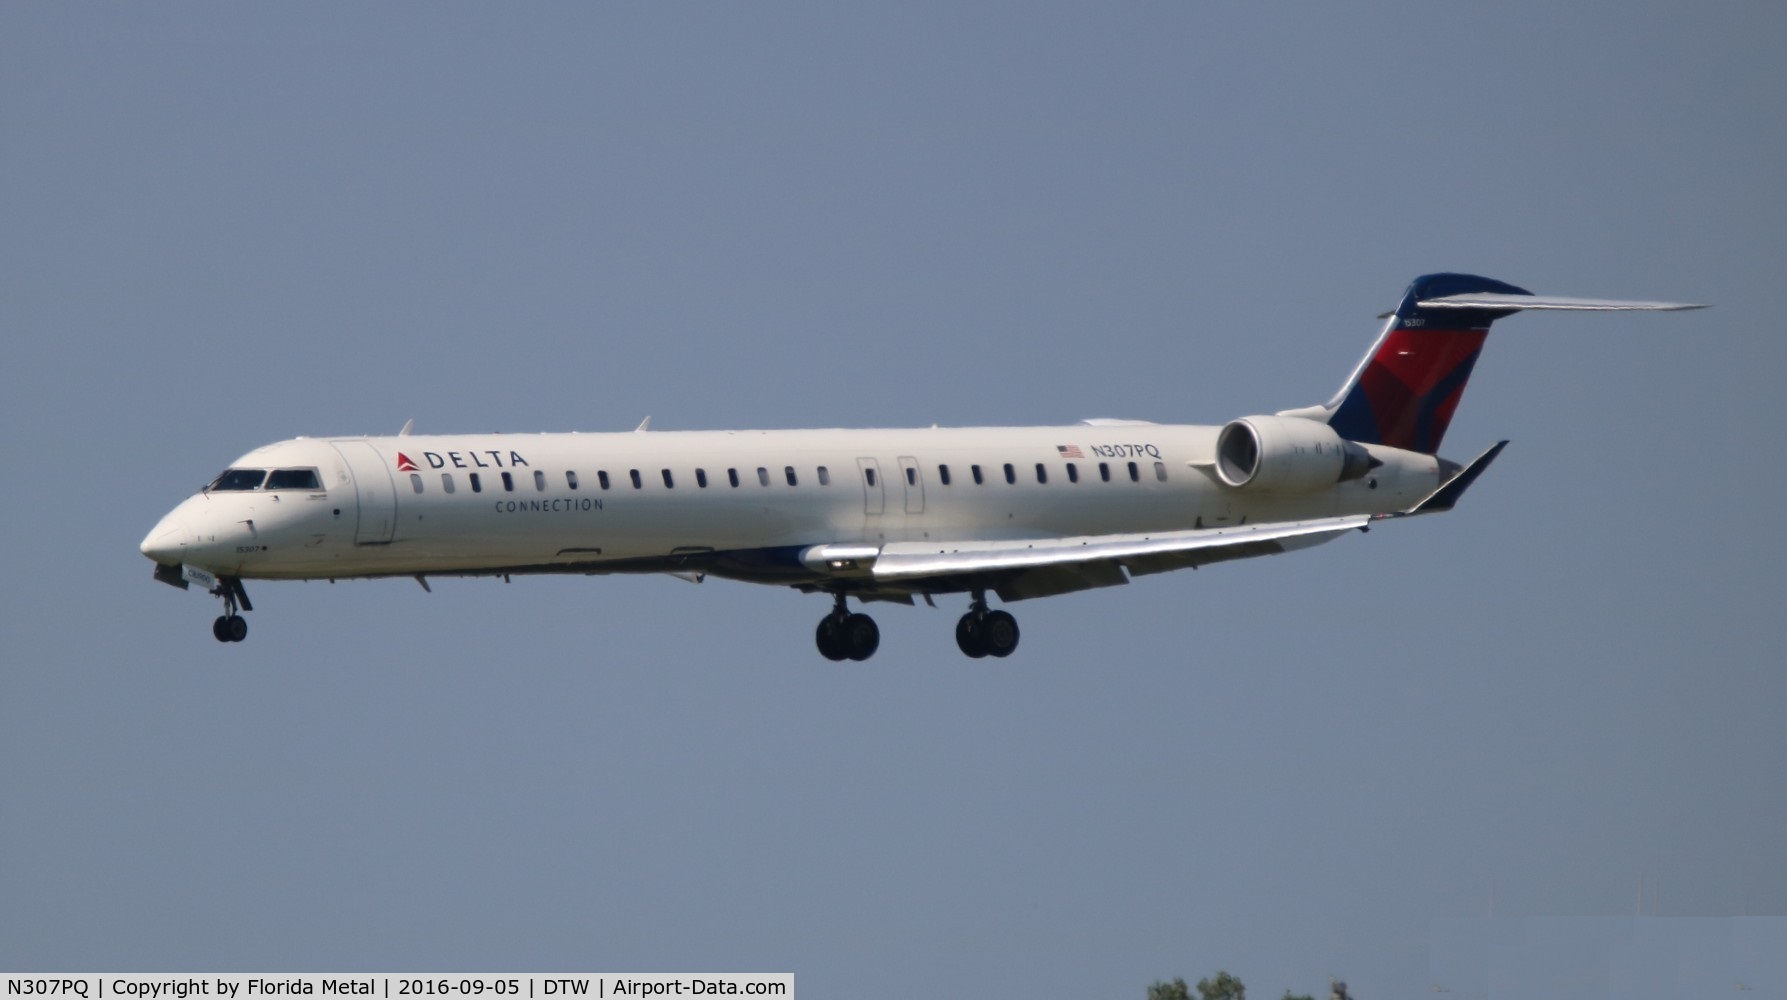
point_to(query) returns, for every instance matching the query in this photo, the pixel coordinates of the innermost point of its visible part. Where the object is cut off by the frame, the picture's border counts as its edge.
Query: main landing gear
(845, 636)
(230, 626)
(986, 633)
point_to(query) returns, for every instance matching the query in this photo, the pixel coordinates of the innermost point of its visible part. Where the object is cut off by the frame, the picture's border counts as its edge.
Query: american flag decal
(1069, 451)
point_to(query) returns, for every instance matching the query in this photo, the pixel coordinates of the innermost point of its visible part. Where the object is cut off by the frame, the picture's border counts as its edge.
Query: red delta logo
(404, 464)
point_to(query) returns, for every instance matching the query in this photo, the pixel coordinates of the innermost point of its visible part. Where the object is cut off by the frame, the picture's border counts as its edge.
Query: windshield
(294, 479)
(238, 479)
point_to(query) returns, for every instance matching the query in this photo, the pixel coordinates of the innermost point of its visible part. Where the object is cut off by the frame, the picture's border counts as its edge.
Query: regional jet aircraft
(876, 515)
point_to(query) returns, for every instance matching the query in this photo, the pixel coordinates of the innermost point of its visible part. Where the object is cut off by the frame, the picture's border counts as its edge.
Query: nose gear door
(376, 492)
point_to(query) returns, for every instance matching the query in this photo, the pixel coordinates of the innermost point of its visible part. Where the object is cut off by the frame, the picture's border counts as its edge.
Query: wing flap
(1165, 562)
(1047, 581)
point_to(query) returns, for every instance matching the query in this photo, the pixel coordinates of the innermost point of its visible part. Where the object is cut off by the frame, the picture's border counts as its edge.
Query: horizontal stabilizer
(1502, 300)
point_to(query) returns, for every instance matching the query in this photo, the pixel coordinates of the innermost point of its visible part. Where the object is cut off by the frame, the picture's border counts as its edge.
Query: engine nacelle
(1286, 455)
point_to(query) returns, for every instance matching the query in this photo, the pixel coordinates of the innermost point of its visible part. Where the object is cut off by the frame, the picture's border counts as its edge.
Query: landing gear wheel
(844, 636)
(829, 638)
(861, 636)
(998, 633)
(230, 628)
(968, 637)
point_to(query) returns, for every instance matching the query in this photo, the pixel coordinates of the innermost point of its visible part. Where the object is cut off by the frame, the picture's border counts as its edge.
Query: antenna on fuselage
(408, 425)
(644, 425)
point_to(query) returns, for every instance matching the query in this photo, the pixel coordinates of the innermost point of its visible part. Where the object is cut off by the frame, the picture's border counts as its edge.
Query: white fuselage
(735, 503)
(869, 515)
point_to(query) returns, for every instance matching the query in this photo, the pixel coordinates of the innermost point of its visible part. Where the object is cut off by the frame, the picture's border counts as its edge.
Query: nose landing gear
(986, 633)
(845, 636)
(230, 626)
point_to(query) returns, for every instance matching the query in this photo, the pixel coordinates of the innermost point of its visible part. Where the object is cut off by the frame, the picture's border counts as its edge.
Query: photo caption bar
(397, 986)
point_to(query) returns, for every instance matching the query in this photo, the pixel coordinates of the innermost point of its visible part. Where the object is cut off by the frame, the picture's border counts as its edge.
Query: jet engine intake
(1287, 455)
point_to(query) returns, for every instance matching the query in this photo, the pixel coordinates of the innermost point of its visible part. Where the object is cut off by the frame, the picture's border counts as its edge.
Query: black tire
(237, 627)
(829, 638)
(861, 636)
(999, 632)
(968, 636)
(220, 629)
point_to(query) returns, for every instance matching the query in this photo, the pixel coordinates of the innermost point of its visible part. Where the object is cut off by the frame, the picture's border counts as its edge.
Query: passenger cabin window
(602, 478)
(701, 478)
(762, 476)
(415, 482)
(943, 474)
(1073, 473)
(1135, 475)
(1104, 471)
(294, 479)
(669, 483)
(539, 481)
(446, 482)
(508, 483)
(1011, 474)
(1160, 471)
(824, 476)
(638, 484)
(237, 479)
(570, 479)
(1042, 473)
(732, 477)
(477, 484)
(788, 471)
(979, 480)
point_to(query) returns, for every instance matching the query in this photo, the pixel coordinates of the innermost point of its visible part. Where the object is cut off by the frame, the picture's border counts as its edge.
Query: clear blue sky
(225, 224)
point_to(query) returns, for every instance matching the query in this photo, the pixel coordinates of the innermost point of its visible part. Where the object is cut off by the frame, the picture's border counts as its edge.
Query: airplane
(876, 514)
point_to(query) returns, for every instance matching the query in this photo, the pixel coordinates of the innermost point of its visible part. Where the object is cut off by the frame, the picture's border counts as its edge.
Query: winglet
(644, 425)
(1446, 496)
(408, 425)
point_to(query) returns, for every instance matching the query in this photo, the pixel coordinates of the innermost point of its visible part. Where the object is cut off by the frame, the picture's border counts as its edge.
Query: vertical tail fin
(1404, 392)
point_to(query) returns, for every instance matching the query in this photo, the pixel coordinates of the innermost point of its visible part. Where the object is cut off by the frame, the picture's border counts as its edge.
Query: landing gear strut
(230, 626)
(986, 633)
(845, 636)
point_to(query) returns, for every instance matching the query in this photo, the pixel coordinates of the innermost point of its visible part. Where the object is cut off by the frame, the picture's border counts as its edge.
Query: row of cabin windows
(788, 473)
(1042, 473)
(633, 475)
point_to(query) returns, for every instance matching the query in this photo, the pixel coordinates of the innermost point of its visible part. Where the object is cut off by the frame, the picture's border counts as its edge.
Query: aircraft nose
(167, 542)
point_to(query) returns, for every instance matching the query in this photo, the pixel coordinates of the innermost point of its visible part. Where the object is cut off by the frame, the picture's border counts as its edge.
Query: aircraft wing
(1039, 567)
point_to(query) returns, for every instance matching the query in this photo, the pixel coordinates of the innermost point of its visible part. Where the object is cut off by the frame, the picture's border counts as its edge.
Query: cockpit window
(294, 479)
(238, 479)
(243, 480)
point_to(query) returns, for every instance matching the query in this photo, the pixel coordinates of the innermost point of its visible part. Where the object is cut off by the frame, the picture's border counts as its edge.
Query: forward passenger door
(376, 493)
